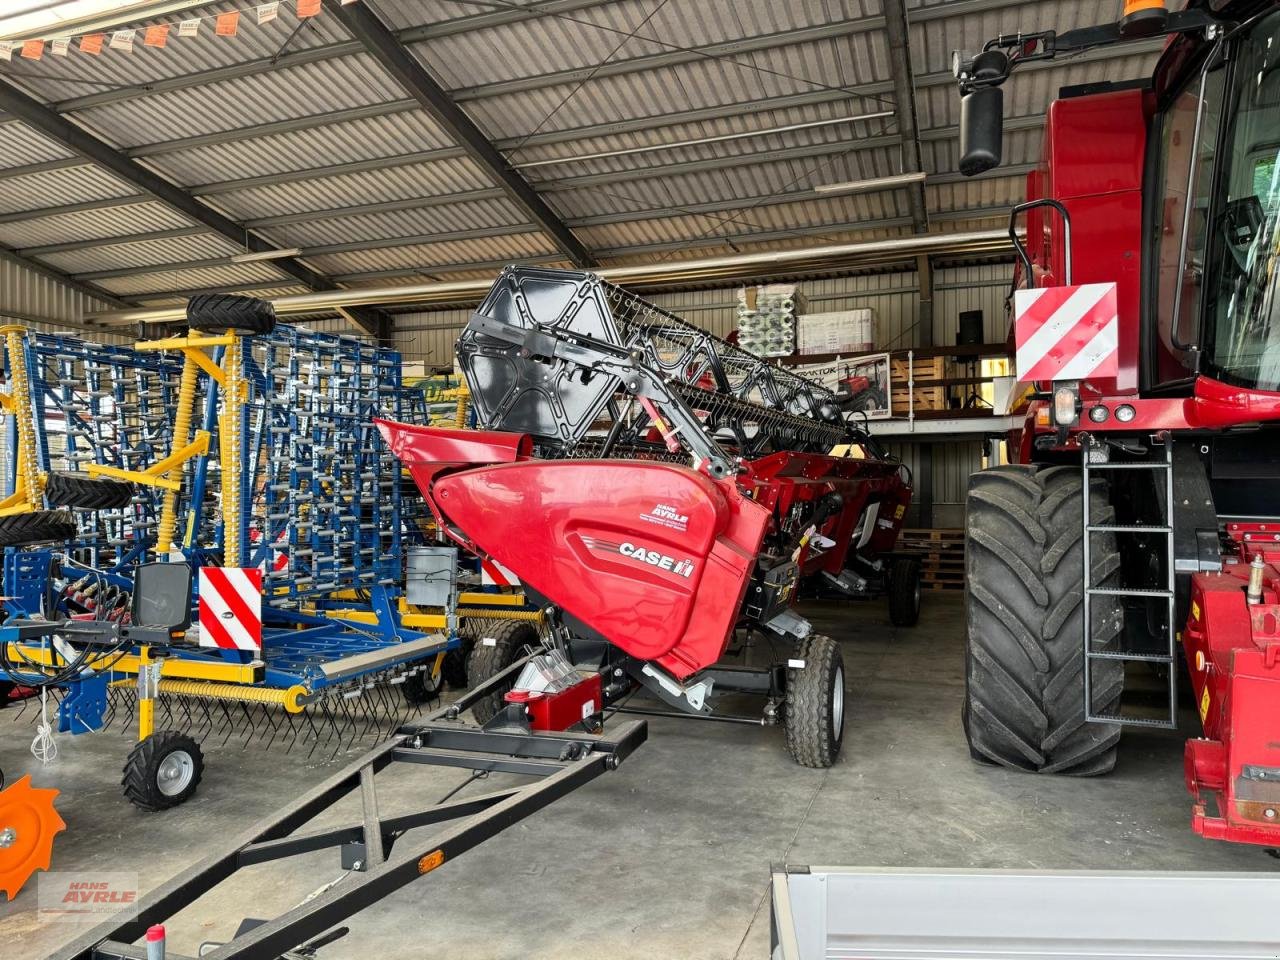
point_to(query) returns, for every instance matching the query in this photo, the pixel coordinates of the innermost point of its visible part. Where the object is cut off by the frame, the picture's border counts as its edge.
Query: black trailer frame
(562, 762)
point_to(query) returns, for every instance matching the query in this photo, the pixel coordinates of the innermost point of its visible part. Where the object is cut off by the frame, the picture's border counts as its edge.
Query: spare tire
(227, 312)
(41, 526)
(65, 489)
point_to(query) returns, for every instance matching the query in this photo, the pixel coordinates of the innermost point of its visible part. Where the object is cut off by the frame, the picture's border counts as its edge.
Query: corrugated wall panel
(982, 287)
(43, 303)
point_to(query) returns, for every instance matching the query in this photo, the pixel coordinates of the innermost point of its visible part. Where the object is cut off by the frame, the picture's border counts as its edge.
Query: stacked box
(767, 319)
(845, 331)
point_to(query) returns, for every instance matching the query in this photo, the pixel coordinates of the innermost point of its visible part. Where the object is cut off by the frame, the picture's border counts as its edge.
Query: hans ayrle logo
(654, 558)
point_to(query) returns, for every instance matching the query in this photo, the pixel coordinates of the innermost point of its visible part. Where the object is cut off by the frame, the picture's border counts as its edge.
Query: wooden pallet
(941, 553)
(933, 368)
(926, 398)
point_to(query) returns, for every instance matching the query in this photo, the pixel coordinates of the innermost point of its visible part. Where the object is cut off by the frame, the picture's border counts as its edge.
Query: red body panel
(1233, 655)
(562, 710)
(1094, 155)
(654, 557)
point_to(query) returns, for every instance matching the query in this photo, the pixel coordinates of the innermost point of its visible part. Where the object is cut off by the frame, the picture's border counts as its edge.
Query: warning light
(1143, 18)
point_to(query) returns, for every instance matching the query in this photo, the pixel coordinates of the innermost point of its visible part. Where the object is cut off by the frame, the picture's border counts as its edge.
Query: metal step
(1131, 466)
(1127, 528)
(1135, 657)
(1127, 592)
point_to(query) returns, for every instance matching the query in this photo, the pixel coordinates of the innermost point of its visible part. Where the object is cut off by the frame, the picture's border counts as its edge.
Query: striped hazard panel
(1067, 333)
(231, 608)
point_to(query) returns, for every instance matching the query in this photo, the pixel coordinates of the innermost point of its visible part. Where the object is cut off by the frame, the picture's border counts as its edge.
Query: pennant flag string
(156, 36)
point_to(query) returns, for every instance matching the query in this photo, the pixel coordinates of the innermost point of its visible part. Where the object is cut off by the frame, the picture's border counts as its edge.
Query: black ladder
(1091, 449)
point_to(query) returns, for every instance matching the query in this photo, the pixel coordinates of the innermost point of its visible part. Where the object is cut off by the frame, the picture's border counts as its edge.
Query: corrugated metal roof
(567, 73)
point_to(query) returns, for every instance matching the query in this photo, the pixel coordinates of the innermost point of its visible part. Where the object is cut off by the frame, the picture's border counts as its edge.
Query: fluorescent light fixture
(867, 186)
(266, 255)
(722, 138)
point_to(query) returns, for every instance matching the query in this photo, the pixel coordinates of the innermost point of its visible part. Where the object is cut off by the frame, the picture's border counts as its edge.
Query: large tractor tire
(1024, 579)
(496, 649)
(66, 489)
(40, 526)
(229, 312)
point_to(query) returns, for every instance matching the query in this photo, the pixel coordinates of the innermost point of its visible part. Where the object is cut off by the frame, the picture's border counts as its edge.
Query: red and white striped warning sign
(494, 574)
(1067, 333)
(231, 608)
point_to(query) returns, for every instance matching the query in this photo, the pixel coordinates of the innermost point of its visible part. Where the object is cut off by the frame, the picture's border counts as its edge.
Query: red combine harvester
(660, 492)
(1146, 316)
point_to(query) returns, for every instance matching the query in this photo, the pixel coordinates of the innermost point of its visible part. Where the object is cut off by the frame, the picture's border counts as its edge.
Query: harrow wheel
(813, 715)
(40, 526)
(162, 771)
(496, 650)
(904, 591)
(424, 686)
(64, 489)
(28, 823)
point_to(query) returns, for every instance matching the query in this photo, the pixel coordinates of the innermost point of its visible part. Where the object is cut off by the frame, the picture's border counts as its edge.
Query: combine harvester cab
(1140, 512)
(658, 489)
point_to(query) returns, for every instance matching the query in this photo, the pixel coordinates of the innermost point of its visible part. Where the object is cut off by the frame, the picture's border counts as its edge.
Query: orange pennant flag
(92, 43)
(227, 23)
(156, 36)
(308, 8)
(33, 49)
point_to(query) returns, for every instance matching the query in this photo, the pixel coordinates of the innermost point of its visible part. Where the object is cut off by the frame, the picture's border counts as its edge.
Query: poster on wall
(861, 383)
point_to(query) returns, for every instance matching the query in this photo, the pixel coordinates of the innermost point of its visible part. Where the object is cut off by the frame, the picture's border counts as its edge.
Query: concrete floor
(668, 856)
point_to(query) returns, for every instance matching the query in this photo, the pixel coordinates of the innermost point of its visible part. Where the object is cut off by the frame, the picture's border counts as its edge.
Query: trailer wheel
(6, 688)
(223, 312)
(40, 526)
(66, 489)
(815, 704)
(904, 591)
(1024, 679)
(162, 771)
(495, 650)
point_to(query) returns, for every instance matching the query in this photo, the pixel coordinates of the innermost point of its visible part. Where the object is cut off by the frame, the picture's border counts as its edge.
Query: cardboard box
(846, 331)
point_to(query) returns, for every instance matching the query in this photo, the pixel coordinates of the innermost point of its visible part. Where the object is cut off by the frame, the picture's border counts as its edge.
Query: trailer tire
(6, 688)
(454, 669)
(904, 591)
(64, 489)
(509, 638)
(40, 526)
(162, 771)
(814, 711)
(1024, 657)
(226, 312)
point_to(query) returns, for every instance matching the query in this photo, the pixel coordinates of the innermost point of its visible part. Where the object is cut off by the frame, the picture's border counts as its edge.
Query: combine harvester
(659, 492)
(1143, 511)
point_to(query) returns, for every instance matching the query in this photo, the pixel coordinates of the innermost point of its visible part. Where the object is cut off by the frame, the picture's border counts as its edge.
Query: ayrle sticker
(653, 558)
(668, 516)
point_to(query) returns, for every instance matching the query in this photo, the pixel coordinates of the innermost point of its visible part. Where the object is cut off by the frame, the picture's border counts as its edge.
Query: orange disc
(28, 823)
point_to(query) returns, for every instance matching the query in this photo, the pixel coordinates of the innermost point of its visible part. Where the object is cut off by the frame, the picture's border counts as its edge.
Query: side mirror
(981, 130)
(162, 596)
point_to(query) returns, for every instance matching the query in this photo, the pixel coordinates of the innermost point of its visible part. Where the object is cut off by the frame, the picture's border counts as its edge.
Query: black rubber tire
(422, 687)
(454, 669)
(904, 591)
(142, 770)
(41, 526)
(222, 312)
(813, 730)
(86, 492)
(6, 688)
(509, 638)
(1024, 678)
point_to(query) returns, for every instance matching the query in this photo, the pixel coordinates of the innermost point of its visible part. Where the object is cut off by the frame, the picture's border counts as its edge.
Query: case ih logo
(681, 568)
